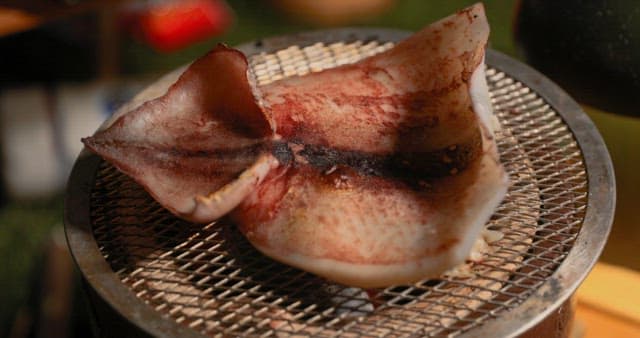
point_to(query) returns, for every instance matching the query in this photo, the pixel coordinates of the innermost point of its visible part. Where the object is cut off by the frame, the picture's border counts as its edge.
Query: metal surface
(172, 278)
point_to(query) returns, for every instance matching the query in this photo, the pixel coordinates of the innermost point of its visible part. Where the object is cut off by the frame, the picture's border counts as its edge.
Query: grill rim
(601, 201)
(549, 296)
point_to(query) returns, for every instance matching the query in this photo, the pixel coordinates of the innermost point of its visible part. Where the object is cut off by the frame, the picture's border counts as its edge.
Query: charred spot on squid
(409, 166)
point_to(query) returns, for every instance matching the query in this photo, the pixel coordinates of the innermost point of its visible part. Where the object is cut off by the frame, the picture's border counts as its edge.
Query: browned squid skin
(411, 98)
(204, 133)
(345, 216)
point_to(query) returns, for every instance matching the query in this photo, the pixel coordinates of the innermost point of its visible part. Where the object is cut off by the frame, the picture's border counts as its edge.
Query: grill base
(108, 323)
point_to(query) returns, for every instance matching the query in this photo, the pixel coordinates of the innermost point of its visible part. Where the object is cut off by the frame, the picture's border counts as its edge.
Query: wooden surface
(608, 304)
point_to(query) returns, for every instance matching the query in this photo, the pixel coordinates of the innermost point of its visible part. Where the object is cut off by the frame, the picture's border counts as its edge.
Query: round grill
(174, 278)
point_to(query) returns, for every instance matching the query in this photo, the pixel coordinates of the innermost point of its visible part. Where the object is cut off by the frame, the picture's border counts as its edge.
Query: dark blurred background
(65, 65)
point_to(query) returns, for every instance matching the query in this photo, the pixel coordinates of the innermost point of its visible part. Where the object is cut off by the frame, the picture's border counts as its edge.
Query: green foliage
(24, 228)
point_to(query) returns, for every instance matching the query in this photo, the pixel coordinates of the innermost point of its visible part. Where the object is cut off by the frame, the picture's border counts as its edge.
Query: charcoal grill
(165, 277)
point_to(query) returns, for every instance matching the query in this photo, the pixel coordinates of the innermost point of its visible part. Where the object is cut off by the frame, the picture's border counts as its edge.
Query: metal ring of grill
(172, 278)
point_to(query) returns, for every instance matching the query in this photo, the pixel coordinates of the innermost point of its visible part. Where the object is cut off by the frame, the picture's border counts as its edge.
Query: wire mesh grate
(209, 278)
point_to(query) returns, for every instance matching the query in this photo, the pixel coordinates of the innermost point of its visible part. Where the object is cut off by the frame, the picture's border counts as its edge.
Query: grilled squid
(374, 173)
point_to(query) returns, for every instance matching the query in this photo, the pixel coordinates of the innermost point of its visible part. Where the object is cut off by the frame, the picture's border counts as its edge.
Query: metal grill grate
(210, 279)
